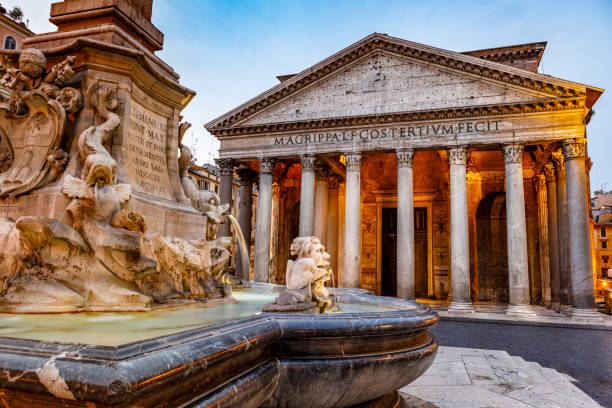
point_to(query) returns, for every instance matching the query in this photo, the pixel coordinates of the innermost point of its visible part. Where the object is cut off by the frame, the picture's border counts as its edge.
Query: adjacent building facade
(12, 33)
(425, 172)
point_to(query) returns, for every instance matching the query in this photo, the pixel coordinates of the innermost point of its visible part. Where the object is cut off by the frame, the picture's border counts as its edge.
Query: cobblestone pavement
(584, 354)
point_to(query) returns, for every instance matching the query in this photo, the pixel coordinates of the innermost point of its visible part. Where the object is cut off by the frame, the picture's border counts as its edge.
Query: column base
(460, 307)
(586, 315)
(565, 309)
(556, 306)
(547, 303)
(521, 311)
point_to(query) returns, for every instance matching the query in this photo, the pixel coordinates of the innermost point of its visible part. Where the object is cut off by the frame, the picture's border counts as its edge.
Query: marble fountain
(115, 291)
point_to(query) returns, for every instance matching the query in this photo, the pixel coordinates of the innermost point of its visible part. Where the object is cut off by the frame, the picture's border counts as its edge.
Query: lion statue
(306, 277)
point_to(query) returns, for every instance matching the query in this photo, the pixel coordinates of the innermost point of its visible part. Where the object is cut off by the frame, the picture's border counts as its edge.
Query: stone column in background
(322, 172)
(226, 174)
(460, 257)
(273, 267)
(553, 235)
(264, 220)
(518, 265)
(332, 222)
(405, 224)
(245, 214)
(581, 263)
(307, 196)
(352, 221)
(542, 199)
(562, 227)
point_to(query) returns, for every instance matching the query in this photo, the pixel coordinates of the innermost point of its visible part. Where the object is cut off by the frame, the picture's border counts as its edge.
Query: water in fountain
(244, 251)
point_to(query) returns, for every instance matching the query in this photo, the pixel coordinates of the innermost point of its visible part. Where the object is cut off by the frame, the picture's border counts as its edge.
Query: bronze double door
(389, 252)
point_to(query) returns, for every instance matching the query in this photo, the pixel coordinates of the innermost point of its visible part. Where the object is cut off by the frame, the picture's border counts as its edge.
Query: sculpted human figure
(306, 278)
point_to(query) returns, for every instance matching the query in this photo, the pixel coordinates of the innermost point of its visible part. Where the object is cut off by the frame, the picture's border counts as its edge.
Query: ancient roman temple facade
(427, 173)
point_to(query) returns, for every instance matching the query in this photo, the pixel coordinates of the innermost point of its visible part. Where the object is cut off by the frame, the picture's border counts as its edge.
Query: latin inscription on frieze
(146, 147)
(389, 133)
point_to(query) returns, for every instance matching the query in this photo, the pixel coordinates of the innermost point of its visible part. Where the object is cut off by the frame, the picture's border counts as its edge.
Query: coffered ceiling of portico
(382, 83)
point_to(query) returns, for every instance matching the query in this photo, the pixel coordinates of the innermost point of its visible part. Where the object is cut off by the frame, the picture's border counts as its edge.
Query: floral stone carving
(102, 261)
(306, 277)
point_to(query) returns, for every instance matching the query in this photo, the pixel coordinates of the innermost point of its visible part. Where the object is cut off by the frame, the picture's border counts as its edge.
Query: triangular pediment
(382, 83)
(382, 75)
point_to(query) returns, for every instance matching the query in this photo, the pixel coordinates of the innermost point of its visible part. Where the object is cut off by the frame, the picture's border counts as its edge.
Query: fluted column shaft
(460, 257)
(226, 170)
(581, 264)
(263, 222)
(322, 173)
(542, 201)
(553, 235)
(352, 221)
(405, 224)
(562, 222)
(332, 223)
(245, 214)
(307, 196)
(518, 265)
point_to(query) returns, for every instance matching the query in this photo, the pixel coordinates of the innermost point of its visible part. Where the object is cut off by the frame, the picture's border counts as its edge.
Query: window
(604, 244)
(605, 258)
(10, 43)
(602, 232)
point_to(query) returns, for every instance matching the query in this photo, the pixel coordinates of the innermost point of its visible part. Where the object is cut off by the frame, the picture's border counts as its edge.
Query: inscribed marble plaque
(146, 148)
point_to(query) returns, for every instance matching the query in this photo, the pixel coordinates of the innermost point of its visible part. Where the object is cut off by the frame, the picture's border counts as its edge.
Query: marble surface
(492, 311)
(462, 377)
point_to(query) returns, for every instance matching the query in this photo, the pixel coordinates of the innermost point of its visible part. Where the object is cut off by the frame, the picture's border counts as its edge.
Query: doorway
(389, 252)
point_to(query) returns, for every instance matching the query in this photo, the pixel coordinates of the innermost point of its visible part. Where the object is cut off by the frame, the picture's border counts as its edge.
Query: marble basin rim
(268, 360)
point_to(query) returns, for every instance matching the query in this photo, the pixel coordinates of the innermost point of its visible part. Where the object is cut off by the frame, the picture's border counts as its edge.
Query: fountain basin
(361, 355)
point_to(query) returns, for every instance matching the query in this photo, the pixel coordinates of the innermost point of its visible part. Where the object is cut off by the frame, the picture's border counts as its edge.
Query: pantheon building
(426, 173)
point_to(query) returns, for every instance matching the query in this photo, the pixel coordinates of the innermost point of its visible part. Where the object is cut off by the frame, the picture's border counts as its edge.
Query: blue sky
(230, 51)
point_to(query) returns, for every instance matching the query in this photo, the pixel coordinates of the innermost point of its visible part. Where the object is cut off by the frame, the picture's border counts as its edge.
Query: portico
(426, 173)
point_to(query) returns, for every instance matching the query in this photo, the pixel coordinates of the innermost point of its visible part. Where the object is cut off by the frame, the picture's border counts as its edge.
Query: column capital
(266, 165)
(458, 155)
(353, 161)
(405, 157)
(513, 153)
(226, 166)
(333, 182)
(539, 182)
(246, 175)
(558, 160)
(549, 172)
(322, 172)
(574, 149)
(308, 162)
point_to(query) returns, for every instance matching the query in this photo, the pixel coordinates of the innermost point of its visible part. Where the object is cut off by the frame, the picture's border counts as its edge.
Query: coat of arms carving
(32, 121)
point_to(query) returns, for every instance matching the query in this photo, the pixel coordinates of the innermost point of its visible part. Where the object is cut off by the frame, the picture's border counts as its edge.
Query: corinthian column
(245, 214)
(307, 196)
(460, 257)
(332, 223)
(322, 173)
(581, 266)
(226, 170)
(553, 235)
(542, 200)
(405, 224)
(263, 222)
(352, 221)
(562, 221)
(518, 266)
